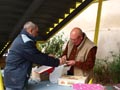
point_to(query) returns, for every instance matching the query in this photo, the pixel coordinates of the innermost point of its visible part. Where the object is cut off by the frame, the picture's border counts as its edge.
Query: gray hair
(29, 24)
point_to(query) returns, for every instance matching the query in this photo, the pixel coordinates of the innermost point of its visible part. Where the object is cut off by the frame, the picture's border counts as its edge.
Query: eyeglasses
(76, 39)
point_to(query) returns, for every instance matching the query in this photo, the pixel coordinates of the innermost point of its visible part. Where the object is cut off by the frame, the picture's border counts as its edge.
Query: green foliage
(107, 72)
(115, 68)
(54, 45)
(101, 71)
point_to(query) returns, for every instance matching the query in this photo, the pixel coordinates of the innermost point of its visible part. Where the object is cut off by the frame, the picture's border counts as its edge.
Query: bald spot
(76, 32)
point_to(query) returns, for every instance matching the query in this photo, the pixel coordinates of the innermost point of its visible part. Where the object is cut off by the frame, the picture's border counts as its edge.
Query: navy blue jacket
(22, 54)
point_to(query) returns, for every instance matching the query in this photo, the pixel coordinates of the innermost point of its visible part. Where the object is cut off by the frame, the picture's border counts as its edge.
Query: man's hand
(64, 57)
(70, 62)
(51, 55)
(62, 61)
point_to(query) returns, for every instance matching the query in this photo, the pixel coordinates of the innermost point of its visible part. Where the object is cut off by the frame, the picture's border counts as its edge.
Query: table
(46, 85)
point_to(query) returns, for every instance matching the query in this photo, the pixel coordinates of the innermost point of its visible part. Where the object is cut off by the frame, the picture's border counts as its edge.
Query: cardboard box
(44, 69)
(41, 73)
(68, 80)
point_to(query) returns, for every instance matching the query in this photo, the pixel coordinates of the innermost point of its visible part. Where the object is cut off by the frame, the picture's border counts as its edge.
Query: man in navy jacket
(22, 54)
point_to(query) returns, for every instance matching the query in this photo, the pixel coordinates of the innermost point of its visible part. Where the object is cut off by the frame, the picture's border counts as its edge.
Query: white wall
(109, 40)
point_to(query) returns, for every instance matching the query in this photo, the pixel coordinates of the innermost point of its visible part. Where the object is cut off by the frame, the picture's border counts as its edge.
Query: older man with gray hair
(22, 54)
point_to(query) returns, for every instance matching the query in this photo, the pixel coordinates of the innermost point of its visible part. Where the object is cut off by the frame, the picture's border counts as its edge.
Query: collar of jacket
(26, 33)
